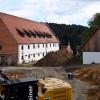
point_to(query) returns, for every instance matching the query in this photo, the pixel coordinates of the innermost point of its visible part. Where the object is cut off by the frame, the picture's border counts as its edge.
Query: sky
(55, 11)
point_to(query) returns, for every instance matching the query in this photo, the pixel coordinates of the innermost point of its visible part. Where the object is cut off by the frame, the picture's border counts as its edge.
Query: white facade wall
(33, 52)
(90, 57)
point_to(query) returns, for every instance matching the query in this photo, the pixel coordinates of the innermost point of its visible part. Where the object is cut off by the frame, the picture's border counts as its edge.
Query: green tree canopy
(68, 33)
(95, 21)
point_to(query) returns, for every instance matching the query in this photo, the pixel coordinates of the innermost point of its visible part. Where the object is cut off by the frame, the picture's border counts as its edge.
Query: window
(28, 46)
(38, 45)
(57, 44)
(33, 55)
(53, 44)
(43, 54)
(22, 47)
(43, 45)
(50, 44)
(22, 57)
(33, 45)
(46, 45)
(28, 56)
(38, 54)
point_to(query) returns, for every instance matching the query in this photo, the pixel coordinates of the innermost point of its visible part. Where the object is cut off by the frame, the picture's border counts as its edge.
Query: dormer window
(27, 33)
(43, 35)
(21, 33)
(32, 33)
(38, 33)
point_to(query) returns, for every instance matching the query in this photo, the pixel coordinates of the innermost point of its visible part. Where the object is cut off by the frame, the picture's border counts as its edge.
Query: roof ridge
(7, 14)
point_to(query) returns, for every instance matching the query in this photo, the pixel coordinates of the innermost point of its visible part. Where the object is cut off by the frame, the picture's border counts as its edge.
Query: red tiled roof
(13, 24)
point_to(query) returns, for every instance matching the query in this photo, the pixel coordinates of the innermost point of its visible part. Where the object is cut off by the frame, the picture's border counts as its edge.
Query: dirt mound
(55, 58)
(93, 94)
(92, 75)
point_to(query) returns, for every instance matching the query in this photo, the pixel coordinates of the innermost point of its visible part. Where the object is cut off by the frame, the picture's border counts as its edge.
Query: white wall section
(91, 57)
(33, 52)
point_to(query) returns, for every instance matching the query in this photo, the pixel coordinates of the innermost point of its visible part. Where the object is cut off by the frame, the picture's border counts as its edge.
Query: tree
(68, 33)
(95, 21)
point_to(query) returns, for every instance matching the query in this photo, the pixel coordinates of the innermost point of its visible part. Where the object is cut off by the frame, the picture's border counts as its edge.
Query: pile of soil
(55, 58)
(91, 74)
(94, 94)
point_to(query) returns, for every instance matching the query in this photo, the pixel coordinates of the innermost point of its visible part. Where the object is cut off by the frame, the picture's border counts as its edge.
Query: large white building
(23, 40)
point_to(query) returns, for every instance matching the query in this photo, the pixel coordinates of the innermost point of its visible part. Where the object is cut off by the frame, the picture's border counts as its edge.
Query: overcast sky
(58, 11)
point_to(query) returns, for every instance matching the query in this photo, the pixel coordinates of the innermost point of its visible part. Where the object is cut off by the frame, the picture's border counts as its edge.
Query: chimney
(69, 48)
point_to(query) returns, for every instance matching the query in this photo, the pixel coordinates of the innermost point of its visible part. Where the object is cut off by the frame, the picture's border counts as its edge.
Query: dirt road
(79, 88)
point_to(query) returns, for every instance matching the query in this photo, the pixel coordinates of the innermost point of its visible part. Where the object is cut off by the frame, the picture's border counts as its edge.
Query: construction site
(85, 82)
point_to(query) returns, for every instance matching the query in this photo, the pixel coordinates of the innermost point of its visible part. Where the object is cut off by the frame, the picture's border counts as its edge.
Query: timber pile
(55, 58)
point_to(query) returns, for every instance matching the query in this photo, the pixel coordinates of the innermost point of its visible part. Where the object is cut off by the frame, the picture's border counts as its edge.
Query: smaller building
(91, 49)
